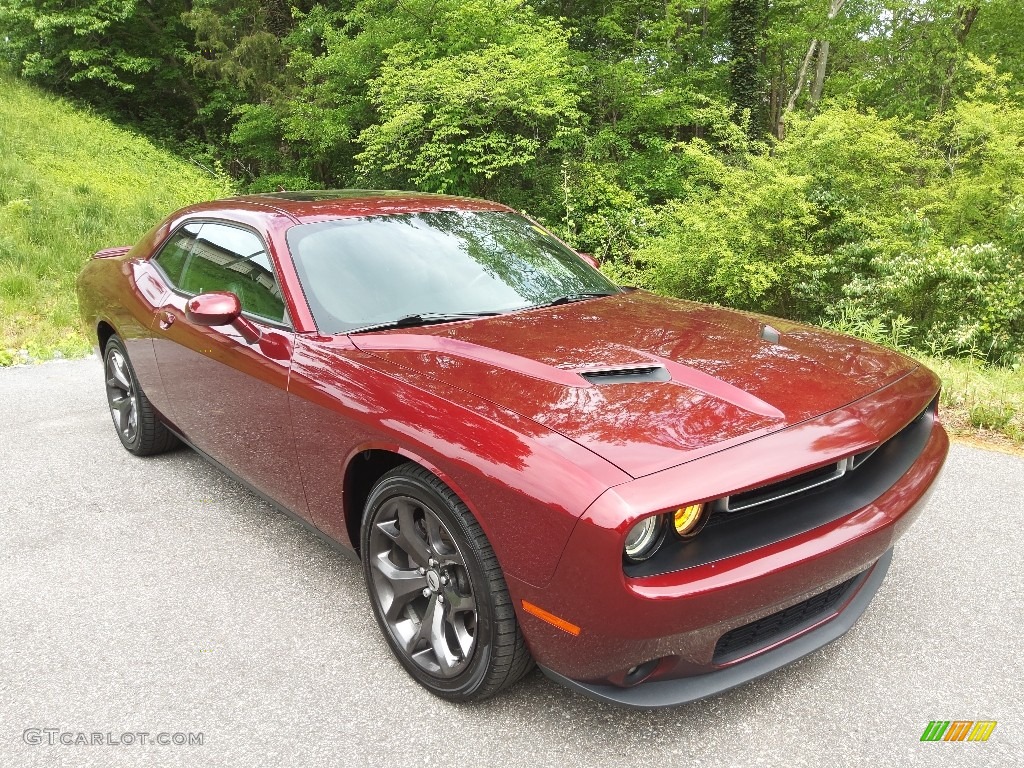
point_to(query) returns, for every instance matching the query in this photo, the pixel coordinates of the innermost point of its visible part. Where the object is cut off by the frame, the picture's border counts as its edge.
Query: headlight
(644, 538)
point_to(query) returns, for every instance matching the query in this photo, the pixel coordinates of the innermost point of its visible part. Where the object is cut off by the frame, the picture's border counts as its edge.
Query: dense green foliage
(842, 161)
(70, 184)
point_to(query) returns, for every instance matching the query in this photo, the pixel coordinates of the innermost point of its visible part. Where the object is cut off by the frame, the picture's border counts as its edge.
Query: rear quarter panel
(121, 290)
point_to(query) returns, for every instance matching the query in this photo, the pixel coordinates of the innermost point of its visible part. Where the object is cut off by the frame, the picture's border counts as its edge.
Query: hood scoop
(632, 374)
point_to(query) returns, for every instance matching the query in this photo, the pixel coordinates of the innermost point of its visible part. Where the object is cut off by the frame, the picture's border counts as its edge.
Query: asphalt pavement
(157, 596)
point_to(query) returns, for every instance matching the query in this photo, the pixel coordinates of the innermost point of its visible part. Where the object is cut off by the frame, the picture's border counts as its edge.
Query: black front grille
(730, 533)
(782, 488)
(776, 495)
(763, 632)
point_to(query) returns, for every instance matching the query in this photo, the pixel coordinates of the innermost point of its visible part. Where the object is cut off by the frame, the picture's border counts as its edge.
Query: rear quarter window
(175, 253)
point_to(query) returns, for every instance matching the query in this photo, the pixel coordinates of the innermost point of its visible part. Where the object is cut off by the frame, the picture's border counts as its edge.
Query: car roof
(325, 204)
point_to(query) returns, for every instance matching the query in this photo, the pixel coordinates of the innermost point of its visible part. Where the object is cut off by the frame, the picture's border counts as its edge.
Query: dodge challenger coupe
(653, 500)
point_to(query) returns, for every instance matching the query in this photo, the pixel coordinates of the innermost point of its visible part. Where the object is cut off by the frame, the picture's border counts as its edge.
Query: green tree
(125, 56)
(456, 123)
(436, 94)
(745, 81)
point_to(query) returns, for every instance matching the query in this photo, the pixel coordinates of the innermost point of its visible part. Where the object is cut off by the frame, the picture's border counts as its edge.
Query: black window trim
(286, 326)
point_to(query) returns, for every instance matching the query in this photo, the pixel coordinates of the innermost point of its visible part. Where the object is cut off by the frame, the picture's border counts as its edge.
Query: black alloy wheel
(437, 590)
(122, 396)
(138, 427)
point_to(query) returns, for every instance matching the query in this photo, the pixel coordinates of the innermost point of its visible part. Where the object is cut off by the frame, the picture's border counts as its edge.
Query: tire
(437, 590)
(139, 428)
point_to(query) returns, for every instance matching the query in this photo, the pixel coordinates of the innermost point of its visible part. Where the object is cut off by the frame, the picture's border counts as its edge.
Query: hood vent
(630, 375)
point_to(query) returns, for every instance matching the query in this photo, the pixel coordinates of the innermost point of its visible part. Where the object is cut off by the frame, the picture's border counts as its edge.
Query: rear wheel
(139, 428)
(437, 589)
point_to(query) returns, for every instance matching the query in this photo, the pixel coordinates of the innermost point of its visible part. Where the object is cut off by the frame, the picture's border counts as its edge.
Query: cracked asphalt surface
(156, 595)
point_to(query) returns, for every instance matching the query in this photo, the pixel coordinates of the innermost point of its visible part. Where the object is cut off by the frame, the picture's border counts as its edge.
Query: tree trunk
(819, 74)
(744, 72)
(801, 76)
(965, 16)
(818, 50)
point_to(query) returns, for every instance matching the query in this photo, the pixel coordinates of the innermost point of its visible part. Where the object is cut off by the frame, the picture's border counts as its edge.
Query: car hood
(727, 376)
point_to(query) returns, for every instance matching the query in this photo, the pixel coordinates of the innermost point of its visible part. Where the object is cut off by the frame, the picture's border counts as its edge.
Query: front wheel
(437, 590)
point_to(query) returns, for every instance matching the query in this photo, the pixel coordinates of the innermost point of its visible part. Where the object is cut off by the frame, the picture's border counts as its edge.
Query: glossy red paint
(229, 396)
(724, 376)
(641, 619)
(555, 469)
(216, 308)
(526, 485)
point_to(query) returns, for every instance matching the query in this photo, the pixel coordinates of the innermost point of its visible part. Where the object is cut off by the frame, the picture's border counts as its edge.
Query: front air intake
(628, 375)
(761, 634)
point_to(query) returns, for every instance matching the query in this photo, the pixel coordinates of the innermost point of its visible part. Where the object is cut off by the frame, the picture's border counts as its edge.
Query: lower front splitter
(668, 693)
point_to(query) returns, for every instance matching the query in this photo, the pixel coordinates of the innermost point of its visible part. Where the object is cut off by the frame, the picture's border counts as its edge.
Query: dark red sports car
(652, 499)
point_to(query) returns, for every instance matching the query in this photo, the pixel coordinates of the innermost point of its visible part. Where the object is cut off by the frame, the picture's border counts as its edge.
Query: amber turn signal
(687, 519)
(550, 618)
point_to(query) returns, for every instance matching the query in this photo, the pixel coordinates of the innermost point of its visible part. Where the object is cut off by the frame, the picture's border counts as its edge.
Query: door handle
(166, 320)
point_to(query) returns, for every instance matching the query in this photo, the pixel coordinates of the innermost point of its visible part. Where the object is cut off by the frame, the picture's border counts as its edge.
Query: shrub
(992, 415)
(741, 238)
(965, 300)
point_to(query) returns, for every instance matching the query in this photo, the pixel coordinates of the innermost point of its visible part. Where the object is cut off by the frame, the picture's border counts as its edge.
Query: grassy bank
(982, 403)
(70, 184)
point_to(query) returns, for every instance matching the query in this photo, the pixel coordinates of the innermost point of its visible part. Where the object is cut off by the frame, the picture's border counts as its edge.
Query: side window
(226, 258)
(172, 256)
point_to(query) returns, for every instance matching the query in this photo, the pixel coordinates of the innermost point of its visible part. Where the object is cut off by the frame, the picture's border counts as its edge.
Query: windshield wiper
(570, 298)
(423, 318)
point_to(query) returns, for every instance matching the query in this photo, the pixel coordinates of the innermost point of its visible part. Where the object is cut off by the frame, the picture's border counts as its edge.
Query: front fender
(525, 485)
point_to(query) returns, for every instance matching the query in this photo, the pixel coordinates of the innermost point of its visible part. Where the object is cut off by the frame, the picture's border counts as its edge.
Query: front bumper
(657, 639)
(667, 693)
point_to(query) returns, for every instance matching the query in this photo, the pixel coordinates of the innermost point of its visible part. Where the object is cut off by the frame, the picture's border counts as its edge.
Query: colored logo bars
(958, 730)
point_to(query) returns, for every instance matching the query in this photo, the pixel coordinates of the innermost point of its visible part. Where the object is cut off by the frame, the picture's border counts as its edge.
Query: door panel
(230, 397)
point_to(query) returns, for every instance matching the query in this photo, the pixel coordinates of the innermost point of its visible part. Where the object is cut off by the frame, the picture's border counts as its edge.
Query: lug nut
(432, 563)
(444, 579)
(440, 598)
(421, 571)
(426, 591)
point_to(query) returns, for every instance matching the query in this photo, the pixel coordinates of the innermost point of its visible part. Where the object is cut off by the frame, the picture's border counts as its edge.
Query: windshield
(376, 270)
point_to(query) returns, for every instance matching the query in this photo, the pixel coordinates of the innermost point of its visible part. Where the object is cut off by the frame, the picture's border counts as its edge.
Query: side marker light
(550, 618)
